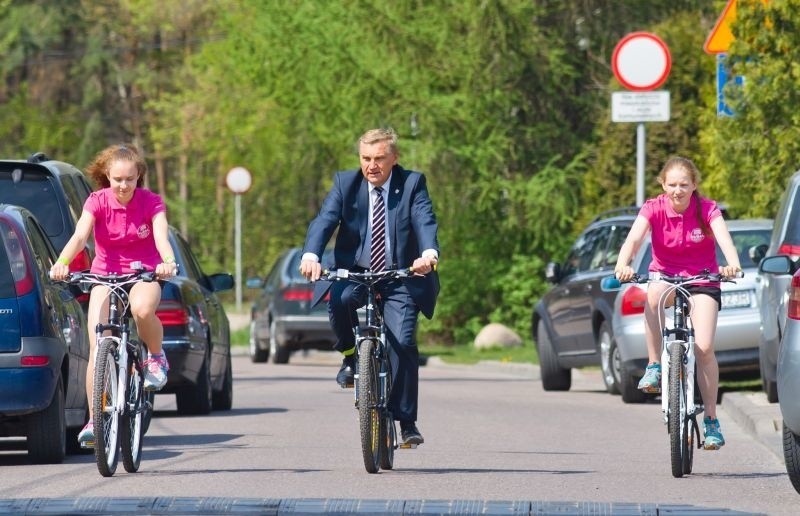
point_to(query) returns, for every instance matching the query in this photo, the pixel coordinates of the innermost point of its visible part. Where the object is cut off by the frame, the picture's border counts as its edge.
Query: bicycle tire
(687, 452)
(676, 417)
(388, 430)
(132, 420)
(104, 399)
(369, 416)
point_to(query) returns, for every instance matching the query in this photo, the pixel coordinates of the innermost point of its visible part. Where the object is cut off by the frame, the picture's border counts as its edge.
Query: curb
(757, 417)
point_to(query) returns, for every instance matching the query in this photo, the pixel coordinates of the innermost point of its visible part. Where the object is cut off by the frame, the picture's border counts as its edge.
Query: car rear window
(35, 191)
(744, 240)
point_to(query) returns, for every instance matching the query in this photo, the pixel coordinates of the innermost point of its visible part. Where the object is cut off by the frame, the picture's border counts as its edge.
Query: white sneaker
(155, 372)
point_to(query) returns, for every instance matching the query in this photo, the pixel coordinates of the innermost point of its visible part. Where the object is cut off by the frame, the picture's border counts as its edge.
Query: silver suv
(773, 286)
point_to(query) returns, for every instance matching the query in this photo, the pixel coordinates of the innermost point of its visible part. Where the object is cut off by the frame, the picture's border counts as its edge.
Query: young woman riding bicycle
(684, 229)
(129, 224)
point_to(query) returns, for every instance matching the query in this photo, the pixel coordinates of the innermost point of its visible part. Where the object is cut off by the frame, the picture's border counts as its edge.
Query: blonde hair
(98, 168)
(380, 135)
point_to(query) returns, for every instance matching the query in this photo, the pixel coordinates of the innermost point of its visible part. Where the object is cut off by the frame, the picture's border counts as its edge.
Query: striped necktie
(377, 261)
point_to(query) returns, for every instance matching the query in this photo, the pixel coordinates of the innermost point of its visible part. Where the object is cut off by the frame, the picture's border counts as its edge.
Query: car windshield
(35, 192)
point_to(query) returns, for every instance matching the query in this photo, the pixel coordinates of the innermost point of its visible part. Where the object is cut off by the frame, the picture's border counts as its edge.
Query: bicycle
(373, 375)
(121, 407)
(678, 367)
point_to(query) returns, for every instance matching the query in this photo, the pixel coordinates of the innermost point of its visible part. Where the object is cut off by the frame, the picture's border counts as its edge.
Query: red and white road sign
(641, 61)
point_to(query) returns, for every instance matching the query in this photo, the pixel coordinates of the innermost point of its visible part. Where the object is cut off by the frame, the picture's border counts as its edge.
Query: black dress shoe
(409, 433)
(346, 376)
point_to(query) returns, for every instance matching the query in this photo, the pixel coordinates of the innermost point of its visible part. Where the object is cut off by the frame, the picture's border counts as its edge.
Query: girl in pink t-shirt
(684, 228)
(129, 224)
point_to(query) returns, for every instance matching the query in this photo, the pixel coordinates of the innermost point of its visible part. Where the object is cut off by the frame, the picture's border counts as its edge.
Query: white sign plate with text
(640, 106)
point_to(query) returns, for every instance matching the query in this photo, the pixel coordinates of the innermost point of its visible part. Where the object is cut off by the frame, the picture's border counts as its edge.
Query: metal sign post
(238, 181)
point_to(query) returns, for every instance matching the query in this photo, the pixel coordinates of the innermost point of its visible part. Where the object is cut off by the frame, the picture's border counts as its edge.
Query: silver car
(738, 326)
(773, 286)
(788, 366)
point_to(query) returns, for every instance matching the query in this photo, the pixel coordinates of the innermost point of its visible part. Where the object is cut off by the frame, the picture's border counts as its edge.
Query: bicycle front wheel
(388, 431)
(676, 420)
(369, 414)
(104, 407)
(132, 421)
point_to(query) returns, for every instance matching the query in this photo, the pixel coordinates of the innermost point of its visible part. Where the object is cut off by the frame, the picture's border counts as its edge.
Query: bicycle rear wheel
(104, 412)
(369, 415)
(132, 420)
(677, 409)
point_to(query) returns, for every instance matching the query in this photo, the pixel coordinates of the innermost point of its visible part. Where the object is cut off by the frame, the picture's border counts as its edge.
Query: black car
(570, 320)
(196, 335)
(54, 192)
(282, 318)
(44, 345)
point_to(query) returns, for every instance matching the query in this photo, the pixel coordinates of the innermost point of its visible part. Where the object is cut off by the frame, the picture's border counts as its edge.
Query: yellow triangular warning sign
(720, 39)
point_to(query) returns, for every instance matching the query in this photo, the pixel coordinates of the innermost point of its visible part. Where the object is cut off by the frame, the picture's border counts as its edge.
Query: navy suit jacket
(411, 226)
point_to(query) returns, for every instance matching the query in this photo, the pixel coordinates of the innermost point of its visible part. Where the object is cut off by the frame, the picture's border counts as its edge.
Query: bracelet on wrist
(63, 261)
(168, 259)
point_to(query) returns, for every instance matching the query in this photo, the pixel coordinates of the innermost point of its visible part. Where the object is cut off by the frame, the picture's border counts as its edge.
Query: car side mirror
(780, 264)
(552, 272)
(757, 253)
(254, 283)
(610, 284)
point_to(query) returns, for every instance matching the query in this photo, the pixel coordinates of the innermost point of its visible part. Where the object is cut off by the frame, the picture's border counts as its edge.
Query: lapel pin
(397, 190)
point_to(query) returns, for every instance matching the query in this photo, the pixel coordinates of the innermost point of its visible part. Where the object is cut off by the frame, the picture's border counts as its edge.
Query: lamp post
(238, 180)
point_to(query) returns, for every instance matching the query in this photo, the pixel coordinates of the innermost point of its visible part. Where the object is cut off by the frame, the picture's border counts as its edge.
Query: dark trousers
(400, 317)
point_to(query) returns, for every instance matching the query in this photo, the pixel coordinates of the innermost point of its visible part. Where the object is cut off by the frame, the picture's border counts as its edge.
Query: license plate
(738, 299)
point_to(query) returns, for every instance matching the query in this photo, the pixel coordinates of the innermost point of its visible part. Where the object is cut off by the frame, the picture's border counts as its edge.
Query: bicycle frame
(683, 334)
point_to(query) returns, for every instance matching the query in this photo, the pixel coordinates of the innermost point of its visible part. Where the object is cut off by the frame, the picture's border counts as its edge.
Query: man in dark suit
(385, 220)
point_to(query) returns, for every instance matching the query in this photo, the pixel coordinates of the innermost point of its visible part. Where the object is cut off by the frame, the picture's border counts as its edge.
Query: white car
(738, 325)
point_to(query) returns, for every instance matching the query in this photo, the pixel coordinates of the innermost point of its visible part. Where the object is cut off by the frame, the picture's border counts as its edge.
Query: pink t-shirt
(679, 245)
(124, 234)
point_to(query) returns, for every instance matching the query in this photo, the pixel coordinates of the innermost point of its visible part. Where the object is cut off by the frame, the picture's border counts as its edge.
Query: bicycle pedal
(347, 385)
(406, 446)
(87, 445)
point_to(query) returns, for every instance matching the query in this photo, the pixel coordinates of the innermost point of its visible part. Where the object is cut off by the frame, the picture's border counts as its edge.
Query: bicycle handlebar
(679, 280)
(344, 274)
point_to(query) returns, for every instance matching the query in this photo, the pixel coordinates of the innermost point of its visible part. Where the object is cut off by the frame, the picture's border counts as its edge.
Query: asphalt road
(495, 444)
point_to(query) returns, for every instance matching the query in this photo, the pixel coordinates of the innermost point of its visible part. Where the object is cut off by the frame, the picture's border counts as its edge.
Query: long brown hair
(98, 168)
(688, 166)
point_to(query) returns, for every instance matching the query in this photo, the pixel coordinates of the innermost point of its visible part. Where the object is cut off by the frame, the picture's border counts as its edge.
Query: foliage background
(505, 105)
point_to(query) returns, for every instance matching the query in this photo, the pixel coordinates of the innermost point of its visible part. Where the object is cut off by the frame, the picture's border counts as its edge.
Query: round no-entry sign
(641, 61)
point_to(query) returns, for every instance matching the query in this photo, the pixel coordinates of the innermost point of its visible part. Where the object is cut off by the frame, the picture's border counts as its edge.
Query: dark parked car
(282, 319)
(196, 335)
(44, 349)
(54, 192)
(570, 320)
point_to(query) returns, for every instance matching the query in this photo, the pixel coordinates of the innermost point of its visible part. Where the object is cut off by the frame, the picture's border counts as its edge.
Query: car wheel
(47, 430)
(791, 456)
(196, 400)
(554, 377)
(770, 386)
(280, 353)
(223, 399)
(609, 358)
(256, 353)
(629, 387)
